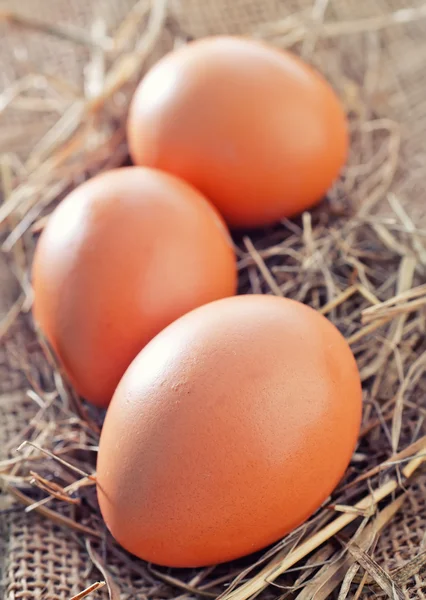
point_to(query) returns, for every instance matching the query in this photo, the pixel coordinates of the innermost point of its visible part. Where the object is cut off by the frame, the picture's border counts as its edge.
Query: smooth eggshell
(256, 129)
(227, 431)
(124, 255)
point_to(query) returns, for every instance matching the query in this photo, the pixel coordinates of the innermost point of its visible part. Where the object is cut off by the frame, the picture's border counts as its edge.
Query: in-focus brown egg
(257, 130)
(227, 431)
(124, 255)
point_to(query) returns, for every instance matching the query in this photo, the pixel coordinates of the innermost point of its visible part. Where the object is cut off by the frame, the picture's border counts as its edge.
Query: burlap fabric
(38, 559)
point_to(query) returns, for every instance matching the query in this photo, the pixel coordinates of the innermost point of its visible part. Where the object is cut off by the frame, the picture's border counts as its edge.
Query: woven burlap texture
(40, 560)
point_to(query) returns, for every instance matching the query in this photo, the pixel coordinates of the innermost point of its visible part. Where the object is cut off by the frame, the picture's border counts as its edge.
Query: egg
(257, 130)
(124, 255)
(227, 431)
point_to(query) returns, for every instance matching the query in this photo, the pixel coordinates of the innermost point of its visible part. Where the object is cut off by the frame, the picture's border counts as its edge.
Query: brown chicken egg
(257, 130)
(227, 431)
(124, 255)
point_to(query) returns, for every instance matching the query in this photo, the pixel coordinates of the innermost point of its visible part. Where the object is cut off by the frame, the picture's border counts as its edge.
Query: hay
(359, 258)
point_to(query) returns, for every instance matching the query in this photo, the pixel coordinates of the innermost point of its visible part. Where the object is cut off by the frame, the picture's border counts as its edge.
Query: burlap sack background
(38, 559)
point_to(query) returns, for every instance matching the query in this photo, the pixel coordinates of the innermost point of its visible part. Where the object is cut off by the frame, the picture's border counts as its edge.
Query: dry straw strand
(113, 589)
(92, 588)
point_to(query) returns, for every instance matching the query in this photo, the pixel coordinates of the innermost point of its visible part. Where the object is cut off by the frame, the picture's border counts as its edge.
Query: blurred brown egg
(257, 130)
(124, 255)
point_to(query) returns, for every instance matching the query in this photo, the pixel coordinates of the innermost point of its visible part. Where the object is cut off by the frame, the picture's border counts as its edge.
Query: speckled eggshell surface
(227, 431)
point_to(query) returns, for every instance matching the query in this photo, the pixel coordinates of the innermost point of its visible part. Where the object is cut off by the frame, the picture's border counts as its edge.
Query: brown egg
(257, 130)
(227, 431)
(124, 255)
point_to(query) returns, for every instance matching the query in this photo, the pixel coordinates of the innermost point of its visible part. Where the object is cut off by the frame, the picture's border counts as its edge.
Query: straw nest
(361, 266)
